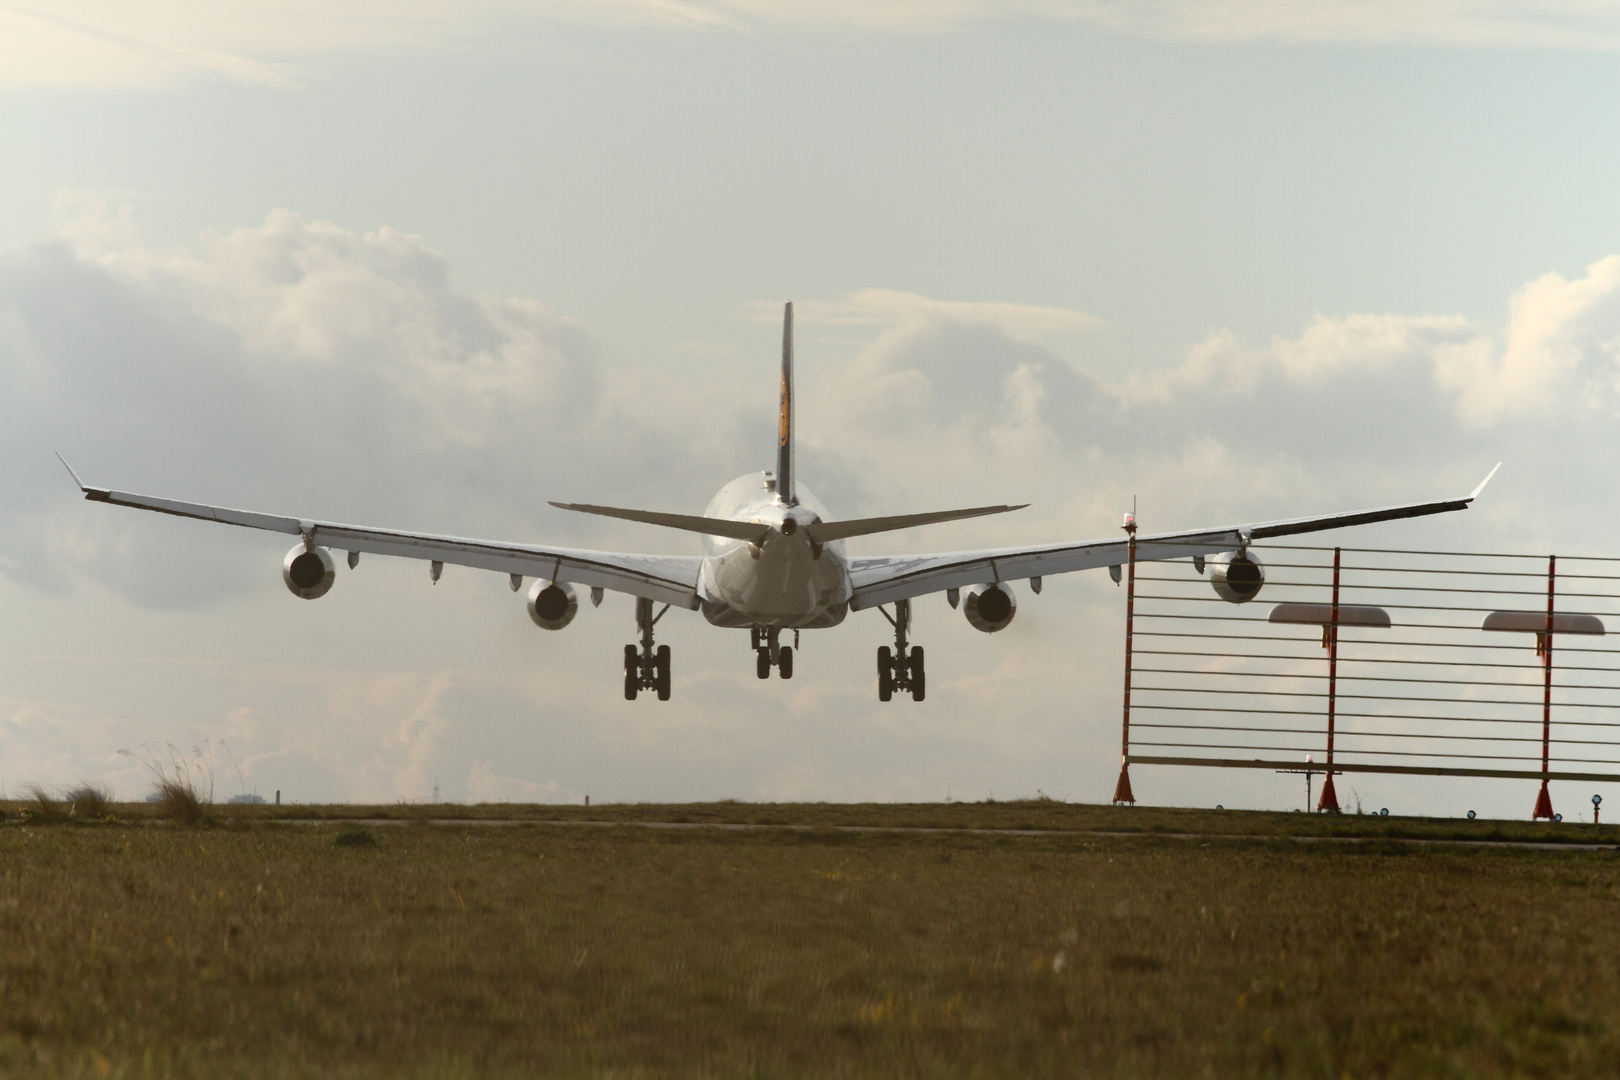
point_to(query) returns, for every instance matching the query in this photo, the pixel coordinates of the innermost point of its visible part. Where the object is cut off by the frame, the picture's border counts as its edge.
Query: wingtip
(1485, 481)
(69, 468)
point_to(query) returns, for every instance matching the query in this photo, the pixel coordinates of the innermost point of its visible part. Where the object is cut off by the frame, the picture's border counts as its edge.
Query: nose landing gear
(769, 652)
(646, 668)
(902, 668)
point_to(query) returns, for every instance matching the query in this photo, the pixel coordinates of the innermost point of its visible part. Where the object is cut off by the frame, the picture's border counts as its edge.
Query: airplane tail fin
(785, 489)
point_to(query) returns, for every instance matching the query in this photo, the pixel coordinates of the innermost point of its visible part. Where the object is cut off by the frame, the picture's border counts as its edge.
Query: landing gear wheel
(784, 664)
(762, 662)
(919, 681)
(662, 670)
(632, 673)
(885, 673)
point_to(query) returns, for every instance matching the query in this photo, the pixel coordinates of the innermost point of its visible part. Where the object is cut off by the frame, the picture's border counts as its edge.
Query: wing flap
(668, 579)
(883, 580)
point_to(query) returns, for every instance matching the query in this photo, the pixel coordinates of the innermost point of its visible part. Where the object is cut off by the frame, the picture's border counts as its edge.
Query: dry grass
(272, 950)
(178, 801)
(40, 806)
(89, 802)
(1032, 814)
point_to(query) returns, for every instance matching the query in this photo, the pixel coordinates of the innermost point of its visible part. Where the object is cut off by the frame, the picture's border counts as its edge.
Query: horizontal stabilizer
(824, 532)
(737, 530)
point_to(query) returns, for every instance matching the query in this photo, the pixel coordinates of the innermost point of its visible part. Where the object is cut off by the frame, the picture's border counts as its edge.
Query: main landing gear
(769, 652)
(901, 669)
(646, 668)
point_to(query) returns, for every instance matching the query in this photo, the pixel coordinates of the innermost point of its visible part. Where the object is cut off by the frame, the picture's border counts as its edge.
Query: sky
(429, 266)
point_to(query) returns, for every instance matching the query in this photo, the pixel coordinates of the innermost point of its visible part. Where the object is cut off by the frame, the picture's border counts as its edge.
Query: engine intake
(309, 572)
(1237, 576)
(989, 607)
(552, 604)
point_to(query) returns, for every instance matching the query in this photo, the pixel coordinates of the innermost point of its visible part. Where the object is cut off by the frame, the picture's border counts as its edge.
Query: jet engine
(309, 572)
(552, 604)
(989, 607)
(1237, 576)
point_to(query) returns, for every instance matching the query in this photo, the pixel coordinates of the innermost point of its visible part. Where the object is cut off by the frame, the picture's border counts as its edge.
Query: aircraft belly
(787, 588)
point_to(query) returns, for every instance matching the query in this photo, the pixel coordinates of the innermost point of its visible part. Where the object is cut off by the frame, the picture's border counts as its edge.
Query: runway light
(1470, 815)
(1384, 812)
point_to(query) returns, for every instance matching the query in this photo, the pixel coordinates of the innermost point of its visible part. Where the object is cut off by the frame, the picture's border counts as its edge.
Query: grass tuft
(355, 838)
(183, 788)
(177, 800)
(40, 807)
(90, 802)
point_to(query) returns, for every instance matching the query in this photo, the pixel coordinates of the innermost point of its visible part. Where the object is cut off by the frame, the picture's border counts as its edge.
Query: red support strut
(1330, 798)
(1122, 790)
(1544, 797)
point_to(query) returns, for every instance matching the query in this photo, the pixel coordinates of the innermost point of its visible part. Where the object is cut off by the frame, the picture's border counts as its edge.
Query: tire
(632, 672)
(762, 662)
(919, 680)
(885, 675)
(663, 672)
(784, 663)
(631, 685)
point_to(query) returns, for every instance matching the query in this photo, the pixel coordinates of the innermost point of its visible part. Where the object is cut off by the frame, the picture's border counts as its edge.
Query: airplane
(775, 562)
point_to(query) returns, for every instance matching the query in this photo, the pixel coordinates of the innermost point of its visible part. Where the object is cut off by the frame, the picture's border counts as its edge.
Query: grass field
(262, 948)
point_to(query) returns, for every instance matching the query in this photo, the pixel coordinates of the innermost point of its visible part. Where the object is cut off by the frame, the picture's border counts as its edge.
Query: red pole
(1544, 798)
(1330, 798)
(1122, 790)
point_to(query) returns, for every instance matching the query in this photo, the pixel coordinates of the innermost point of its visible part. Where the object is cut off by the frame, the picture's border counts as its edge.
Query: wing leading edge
(885, 579)
(667, 579)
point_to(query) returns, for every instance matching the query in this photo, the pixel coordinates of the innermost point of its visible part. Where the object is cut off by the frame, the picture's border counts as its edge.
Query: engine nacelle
(1237, 576)
(989, 607)
(309, 573)
(552, 604)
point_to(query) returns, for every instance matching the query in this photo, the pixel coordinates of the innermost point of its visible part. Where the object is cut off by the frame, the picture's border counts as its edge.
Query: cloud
(1356, 409)
(485, 785)
(1557, 361)
(91, 43)
(1527, 24)
(294, 364)
(1561, 352)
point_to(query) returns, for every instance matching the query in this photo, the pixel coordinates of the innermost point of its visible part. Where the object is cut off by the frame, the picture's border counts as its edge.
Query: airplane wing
(885, 579)
(668, 579)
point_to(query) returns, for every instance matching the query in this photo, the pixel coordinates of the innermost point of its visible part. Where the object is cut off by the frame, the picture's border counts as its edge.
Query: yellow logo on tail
(787, 410)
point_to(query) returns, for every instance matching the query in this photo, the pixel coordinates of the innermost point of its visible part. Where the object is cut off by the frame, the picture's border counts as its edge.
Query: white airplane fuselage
(786, 582)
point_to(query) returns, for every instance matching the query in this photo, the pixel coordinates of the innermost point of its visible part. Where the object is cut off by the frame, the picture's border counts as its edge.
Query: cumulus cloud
(486, 785)
(292, 365)
(1349, 405)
